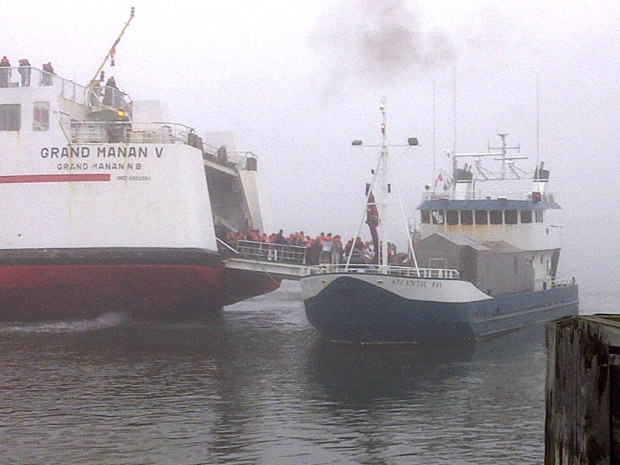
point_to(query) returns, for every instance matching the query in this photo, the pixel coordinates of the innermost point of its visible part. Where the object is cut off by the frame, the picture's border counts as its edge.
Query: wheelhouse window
(10, 117)
(495, 217)
(425, 216)
(511, 217)
(539, 216)
(452, 217)
(526, 216)
(467, 217)
(438, 217)
(482, 217)
(41, 116)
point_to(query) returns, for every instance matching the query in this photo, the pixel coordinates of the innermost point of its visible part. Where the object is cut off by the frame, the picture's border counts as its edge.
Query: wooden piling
(582, 423)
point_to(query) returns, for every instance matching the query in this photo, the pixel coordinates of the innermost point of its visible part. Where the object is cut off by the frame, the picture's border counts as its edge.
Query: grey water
(257, 385)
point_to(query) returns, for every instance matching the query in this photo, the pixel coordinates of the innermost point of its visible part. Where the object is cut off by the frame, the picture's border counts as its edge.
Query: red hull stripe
(53, 178)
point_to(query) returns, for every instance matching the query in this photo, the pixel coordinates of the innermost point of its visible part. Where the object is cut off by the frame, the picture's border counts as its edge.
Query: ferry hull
(159, 285)
(354, 310)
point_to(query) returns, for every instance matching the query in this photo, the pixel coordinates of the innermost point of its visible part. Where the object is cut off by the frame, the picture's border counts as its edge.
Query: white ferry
(105, 205)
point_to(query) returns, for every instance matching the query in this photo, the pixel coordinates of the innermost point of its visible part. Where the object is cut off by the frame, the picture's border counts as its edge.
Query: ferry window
(438, 217)
(539, 216)
(452, 217)
(526, 216)
(425, 216)
(511, 216)
(41, 116)
(10, 117)
(467, 217)
(482, 217)
(495, 217)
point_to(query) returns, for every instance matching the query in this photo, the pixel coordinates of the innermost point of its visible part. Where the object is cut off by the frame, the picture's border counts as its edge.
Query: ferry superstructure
(105, 205)
(485, 264)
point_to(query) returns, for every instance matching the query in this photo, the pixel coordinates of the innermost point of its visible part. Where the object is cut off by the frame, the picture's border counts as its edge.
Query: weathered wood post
(583, 391)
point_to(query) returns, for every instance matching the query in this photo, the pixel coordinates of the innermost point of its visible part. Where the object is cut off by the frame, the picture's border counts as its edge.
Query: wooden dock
(583, 391)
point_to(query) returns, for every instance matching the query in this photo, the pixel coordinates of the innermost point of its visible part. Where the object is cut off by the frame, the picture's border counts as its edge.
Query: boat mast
(379, 198)
(504, 148)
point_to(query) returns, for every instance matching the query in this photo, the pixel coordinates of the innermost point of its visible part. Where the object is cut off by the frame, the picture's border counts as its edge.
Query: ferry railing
(29, 76)
(396, 271)
(107, 96)
(267, 251)
(225, 248)
(126, 132)
(486, 195)
(102, 132)
(243, 160)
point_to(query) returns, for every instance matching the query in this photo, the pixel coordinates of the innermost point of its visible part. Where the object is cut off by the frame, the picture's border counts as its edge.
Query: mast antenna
(112, 49)
(434, 128)
(454, 107)
(537, 121)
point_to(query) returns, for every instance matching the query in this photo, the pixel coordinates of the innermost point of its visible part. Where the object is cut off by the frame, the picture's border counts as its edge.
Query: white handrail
(485, 195)
(221, 242)
(402, 271)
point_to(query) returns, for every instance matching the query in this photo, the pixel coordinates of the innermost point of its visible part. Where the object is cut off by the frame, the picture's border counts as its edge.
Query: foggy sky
(297, 81)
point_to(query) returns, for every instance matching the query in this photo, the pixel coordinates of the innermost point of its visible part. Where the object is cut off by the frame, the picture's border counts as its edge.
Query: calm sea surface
(258, 386)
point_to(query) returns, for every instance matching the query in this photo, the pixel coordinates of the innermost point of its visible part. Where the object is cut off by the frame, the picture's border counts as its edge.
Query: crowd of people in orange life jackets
(325, 248)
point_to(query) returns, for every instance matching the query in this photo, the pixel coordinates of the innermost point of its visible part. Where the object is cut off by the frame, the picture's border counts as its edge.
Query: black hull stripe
(110, 256)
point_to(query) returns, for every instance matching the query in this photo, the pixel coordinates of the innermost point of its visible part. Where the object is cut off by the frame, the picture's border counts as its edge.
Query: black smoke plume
(379, 41)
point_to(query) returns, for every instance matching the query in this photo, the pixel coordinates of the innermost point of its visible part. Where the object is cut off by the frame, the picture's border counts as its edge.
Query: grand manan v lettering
(100, 158)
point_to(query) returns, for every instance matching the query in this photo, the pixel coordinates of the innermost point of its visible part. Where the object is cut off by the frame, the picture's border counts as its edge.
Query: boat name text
(101, 152)
(416, 283)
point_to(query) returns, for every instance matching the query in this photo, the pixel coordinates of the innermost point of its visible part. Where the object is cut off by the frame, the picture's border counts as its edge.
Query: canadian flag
(113, 53)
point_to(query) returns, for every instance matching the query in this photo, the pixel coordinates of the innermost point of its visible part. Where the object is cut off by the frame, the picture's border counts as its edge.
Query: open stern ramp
(278, 260)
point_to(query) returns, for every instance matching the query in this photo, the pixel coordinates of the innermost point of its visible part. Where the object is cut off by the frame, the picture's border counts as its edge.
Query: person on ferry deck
(336, 250)
(24, 71)
(111, 97)
(5, 72)
(326, 248)
(280, 239)
(46, 76)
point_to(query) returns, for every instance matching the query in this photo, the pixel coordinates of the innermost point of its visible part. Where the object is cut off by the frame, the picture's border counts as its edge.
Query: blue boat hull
(355, 311)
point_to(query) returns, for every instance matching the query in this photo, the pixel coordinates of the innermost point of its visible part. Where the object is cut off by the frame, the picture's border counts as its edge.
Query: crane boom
(113, 46)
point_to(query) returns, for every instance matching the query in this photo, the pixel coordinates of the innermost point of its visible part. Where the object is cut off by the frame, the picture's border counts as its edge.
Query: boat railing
(566, 282)
(268, 251)
(93, 96)
(396, 271)
(107, 96)
(553, 283)
(126, 132)
(12, 77)
(105, 132)
(486, 195)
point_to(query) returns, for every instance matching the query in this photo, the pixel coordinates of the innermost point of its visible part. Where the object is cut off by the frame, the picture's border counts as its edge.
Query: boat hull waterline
(159, 286)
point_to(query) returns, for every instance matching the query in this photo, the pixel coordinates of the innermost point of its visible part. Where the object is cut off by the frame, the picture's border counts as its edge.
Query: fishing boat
(107, 204)
(485, 261)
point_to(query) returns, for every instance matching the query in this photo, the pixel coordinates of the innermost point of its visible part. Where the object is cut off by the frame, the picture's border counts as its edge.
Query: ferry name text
(101, 152)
